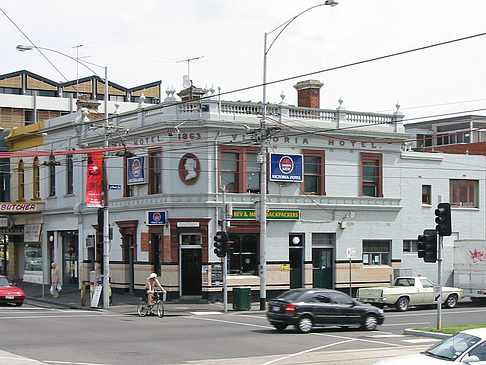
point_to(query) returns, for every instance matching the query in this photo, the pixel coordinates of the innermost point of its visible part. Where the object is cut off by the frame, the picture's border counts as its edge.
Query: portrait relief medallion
(189, 169)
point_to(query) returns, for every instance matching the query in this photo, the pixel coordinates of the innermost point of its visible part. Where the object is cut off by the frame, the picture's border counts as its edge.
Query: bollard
(83, 294)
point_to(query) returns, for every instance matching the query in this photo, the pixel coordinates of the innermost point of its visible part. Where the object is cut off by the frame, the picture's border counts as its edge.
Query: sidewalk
(122, 303)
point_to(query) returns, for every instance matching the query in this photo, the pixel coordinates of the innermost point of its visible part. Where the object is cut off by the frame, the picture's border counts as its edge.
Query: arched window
(36, 179)
(21, 181)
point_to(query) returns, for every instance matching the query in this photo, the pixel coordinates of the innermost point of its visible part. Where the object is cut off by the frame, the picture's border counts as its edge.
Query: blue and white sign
(114, 187)
(136, 170)
(156, 218)
(286, 167)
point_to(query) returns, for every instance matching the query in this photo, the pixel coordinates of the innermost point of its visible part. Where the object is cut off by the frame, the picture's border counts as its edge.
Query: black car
(305, 308)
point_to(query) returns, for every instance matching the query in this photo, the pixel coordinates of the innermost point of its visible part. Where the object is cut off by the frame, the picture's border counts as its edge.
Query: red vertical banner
(94, 180)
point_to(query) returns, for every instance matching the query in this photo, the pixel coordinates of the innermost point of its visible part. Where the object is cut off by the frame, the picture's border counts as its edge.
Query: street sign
(437, 294)
(114, 187)
(351, 253)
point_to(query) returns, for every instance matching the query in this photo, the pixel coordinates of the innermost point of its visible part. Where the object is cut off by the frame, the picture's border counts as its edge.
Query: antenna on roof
(187, 78)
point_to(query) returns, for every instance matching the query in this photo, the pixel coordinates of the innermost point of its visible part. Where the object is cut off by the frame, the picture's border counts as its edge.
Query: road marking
(72, 363)
(65, 316)
(420, 340)
(312, 333)
(205, 313)
(306, 351)
(404, 324)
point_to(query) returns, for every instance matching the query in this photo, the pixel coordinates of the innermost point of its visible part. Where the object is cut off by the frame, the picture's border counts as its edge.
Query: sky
(148, 40)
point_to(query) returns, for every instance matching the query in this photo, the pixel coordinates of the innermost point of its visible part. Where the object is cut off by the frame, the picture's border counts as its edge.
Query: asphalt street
(57, 335)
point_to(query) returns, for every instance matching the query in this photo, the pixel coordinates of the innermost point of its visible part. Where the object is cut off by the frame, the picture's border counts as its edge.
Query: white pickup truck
(408, 291)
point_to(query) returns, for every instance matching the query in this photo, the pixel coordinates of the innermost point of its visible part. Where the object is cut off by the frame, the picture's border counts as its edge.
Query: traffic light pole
(224, 259)
(439, 282)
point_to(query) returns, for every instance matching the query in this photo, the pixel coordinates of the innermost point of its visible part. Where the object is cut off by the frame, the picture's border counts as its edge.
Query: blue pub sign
(288, 168)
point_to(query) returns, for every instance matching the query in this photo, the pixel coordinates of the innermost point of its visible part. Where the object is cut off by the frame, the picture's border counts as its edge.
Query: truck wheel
(451, 301)
(402, 304)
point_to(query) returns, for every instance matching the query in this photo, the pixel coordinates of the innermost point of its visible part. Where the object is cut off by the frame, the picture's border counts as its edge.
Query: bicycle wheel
(160, 309)
(142, 309)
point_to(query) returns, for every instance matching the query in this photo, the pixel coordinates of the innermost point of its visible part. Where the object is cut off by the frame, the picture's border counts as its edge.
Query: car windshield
(452, 347)
(4, 282)
(290, 295)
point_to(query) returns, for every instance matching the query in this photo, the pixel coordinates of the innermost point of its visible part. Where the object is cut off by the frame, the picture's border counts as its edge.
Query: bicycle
(157, 303)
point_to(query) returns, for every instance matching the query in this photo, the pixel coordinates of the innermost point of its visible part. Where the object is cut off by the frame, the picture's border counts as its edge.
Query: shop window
(371, 174)
(33, 257)
(313, 172)
(21, 181)
(464, 193)
(376, 253)
(155, 171)
(426, 194)
(240, 170)
(243, 255)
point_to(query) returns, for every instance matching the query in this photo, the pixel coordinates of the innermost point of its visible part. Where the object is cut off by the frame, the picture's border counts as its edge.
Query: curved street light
(263, 155)
(106, 226)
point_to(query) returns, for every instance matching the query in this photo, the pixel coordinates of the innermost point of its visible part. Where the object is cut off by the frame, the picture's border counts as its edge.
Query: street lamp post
(106, 225)
(263, 152)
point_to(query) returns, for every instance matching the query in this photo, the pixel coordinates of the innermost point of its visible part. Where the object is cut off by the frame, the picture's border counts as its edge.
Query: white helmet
(153, 275)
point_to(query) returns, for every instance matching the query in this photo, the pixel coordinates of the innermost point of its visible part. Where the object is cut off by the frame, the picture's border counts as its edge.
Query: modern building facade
(346, 201)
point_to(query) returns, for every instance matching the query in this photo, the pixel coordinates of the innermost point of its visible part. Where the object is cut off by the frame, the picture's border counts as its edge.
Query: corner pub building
(351, 221)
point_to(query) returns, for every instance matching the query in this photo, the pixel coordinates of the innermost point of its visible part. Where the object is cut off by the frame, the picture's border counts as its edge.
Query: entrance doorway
(322, 268)
(156, 242)
(190, 264)
(323, 248)
(70, 258)
(296, 259)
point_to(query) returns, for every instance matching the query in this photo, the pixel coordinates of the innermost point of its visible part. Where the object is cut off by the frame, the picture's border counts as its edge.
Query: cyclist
(150, 285)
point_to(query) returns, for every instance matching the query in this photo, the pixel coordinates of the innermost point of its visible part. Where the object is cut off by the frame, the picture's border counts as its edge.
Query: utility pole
(106, 224)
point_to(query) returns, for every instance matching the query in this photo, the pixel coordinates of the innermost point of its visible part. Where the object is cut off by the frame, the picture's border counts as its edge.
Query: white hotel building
(352, 221)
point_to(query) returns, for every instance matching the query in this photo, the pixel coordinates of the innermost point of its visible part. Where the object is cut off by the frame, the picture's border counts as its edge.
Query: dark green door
(191, 271)
(322, 268)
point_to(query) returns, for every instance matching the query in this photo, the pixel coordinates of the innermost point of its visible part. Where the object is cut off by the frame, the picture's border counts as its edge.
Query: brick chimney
(84, 101)
(308, 93)
(197, 93)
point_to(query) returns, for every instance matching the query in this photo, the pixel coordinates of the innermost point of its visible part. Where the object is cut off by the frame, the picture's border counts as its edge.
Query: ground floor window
(243, 257)
(33, 257)
(376, 252)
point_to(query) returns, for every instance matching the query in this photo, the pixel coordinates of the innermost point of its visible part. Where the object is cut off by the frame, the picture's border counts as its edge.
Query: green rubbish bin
(242, 298)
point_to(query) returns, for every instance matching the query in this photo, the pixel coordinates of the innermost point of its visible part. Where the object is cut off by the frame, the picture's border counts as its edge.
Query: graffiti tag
(477, 255)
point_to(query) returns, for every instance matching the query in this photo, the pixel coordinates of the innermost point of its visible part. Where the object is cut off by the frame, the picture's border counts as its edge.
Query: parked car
(463, 348)
(306, 308)
(10, 293)
(408, 291)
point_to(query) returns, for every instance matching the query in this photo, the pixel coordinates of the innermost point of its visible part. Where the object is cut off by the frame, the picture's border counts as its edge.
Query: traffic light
(427, 245)
(221, 244)
(443, 219)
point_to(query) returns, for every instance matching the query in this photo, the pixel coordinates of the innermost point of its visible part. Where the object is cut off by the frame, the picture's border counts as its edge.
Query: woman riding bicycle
(150, 285)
